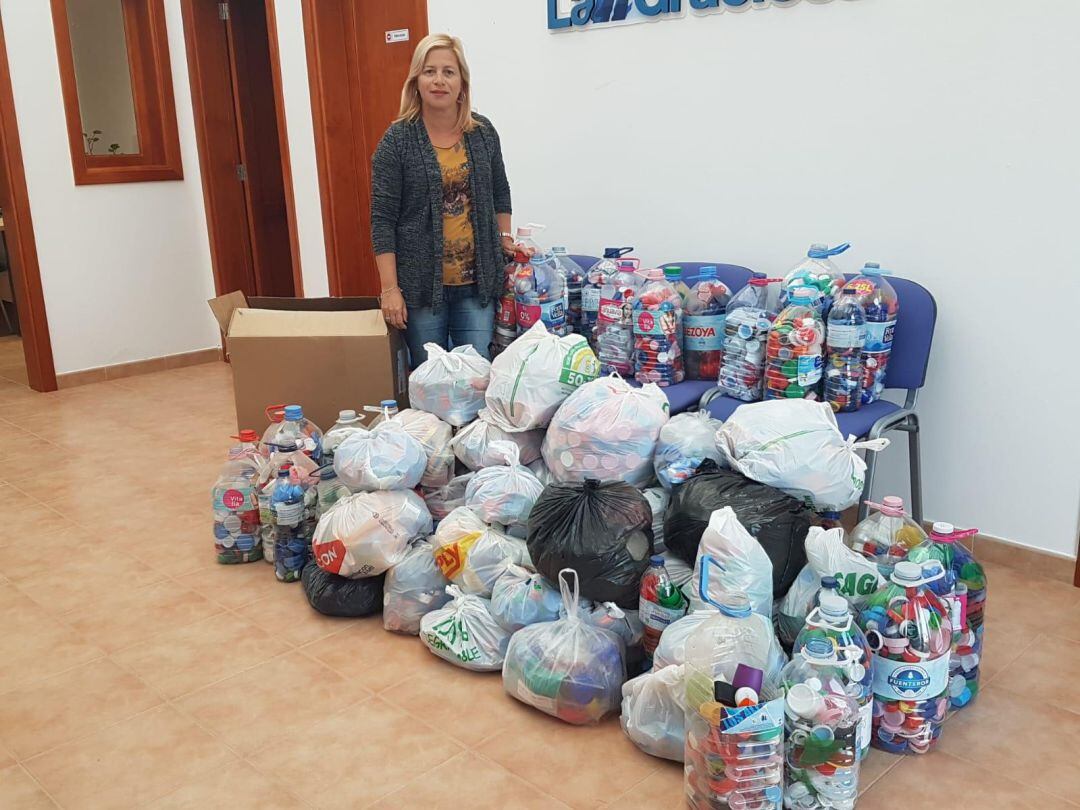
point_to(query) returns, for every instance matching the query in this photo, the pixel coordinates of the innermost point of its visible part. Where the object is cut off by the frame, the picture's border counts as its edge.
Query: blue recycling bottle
(844, 339)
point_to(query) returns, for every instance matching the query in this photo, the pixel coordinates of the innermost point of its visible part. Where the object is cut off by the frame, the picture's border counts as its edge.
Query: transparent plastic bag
(450, 384)
(744, 564)
(441, 501)
(626, 624)
(414, 587)
(522, 597)
(471, 444)
(504, 493)
(465, 633)
(684, 443)
(365, 534)
(434, 436)
(607, 429)
(472, 554)
(653, 707)
(541, 471)
(385, 457)
(566, 668)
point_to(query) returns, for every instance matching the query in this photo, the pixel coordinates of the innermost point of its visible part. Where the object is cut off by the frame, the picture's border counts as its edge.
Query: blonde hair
(410, 93)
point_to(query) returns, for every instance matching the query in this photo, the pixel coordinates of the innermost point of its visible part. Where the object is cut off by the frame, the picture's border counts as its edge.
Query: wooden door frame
(203, 135)
(21, 244)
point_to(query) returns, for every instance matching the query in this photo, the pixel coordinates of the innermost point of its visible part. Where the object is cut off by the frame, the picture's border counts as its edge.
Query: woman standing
(440, 207)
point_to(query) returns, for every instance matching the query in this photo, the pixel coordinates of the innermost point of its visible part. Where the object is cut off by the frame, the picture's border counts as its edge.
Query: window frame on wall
(152, 95)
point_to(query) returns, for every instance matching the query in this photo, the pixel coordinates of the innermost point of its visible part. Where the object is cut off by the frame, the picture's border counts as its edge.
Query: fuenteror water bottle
(704, 311)
(348, 422)
(235, 501)
(882, 308)
(746, 330)
(794, 352)
(844, 340)
(289, 420)
(888, 535)
(290, 524)
(573, 275)
(734, 715)
(910, 631)
(540, 291)
(833, 622)
(817, 272)
(595, 279)
(659, 604)
(615, 322)
(657, 328)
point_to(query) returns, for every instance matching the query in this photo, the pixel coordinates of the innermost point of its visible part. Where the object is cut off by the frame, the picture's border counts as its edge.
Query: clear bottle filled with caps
(615, 321)
(573, 275)
(235, 502)
(704, 313)
(540, 290)
(595, 279)
(817, 272)
(794, 353)
(746, 331)
(657, 329)
(289, 421)
(887, 535)
(845, 336)
(882, 308)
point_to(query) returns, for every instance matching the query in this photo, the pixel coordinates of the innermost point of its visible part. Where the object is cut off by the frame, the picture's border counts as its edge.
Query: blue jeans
(461, 321)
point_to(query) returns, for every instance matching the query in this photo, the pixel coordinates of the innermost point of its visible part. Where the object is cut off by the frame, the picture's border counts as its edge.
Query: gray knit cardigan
(406, 208)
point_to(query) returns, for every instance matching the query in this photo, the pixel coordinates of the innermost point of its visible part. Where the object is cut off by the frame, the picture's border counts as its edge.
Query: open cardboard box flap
(297, 317)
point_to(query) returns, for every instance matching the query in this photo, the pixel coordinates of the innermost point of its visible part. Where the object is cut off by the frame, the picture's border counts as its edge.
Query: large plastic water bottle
(746, 331)
(235, 501)
(888, 535)
(833, 622)
(540, 292)
(882, 308)
(657, 327)
(660, 603)
(386, 410)
(289, 421)
(674, 275)
(844, 340)
(909, 629)
(573, 275)
(290, 524)
(595, 279)
(348, 422)
(794, 352)
(504, 329)
(615, 321)
(817, 272)
(704, 312)
(821, 723)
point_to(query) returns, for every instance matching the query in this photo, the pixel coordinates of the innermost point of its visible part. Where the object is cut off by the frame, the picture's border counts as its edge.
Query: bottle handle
(275, 413)
(707, 560)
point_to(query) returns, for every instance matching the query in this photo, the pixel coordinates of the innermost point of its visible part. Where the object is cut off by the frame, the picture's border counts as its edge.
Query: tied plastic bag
(672, 647)
(385, 457)
(414, 587)
(365, 534)
(434, 436)
(658, 499)
(521, 597)
(626, 624)
(450, 384)
(465, 633)
(684, 443)
(471, 444)
(744, 564)
(795, 445)
(777, 521)
(566, 668)
(441, 501)
(530, 380)
(505, 493)
(333, 595)
(602, 531)
(653, 707)
(827, 555)
(472, 554)
(607, 429)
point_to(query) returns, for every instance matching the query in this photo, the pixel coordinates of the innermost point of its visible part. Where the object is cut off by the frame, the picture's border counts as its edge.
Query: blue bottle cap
(388, 403)
(830, 583)
(656, 559)
(293, 413)
(708, 271)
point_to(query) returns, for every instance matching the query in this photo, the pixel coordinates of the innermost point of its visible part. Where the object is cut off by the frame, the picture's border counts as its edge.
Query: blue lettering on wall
(563, 15)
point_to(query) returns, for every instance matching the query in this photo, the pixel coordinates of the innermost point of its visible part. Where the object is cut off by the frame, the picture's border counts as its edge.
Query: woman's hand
(508, 245)
(393, 308)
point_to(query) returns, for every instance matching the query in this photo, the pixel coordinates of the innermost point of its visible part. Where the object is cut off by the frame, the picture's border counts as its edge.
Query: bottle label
(665, 324)
(704, 333)
(234, 498)
(553, 314)
(579, 366)
(506, 311)
(866, 726)
(846, 336)
(879, 336)
(903, 680)
(616, 311)
(590, 299)
(656, 615)
(289, 514)
(809, 369)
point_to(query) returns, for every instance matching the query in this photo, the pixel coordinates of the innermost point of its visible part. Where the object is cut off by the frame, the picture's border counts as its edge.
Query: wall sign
(397, 35)
(566, 15)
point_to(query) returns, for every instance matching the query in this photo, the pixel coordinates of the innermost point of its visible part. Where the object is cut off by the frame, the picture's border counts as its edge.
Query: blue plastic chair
(733, 275)
(906, 371)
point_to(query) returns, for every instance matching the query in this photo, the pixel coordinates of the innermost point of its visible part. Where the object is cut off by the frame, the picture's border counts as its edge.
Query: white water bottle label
(846, 336)
(903, 680)
(590, 299)
(879, 336)
(809, 369)
(288, 514)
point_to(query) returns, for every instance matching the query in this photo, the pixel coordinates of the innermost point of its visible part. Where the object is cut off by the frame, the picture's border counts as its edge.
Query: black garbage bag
(778, 521)
(601, 530)
(335, 595)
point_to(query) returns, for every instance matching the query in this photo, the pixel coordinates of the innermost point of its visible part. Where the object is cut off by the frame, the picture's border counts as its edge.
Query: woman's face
(440, 80)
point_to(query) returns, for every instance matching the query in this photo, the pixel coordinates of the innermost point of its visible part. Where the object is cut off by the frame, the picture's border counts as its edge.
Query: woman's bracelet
(384, 292)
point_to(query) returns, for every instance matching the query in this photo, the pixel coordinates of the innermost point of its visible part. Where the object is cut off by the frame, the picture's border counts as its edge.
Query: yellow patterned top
(459, 246)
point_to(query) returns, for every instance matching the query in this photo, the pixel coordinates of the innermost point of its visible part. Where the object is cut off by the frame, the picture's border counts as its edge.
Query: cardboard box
(325, 354)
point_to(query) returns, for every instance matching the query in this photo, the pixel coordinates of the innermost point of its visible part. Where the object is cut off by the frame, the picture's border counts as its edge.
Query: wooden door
(356, 78)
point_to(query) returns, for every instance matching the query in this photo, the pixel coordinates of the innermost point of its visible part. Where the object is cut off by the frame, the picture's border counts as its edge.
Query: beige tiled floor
(136, 672)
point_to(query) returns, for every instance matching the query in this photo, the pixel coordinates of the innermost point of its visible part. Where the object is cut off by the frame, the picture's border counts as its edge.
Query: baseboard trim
(121, 371)
(1027, 560)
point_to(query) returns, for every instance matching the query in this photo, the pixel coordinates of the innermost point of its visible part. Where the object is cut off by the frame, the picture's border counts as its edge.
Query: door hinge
(241, 172)
(223, 11)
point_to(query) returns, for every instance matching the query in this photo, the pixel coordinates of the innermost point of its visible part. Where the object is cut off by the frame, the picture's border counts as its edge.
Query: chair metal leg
(868, 486)
(915, 468)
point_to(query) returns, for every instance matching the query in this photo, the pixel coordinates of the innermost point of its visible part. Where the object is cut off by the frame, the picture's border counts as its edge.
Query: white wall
(125, 268)
(937, 137)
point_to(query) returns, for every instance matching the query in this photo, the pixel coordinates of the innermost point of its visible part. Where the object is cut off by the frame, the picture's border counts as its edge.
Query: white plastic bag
(413, 588)
(540, 470)
(365, 534)
(533, 376)
(472, 554)
(653, 707)
(441, 501)
(504, 493)
(684, 443)
(672, 646)
(626, 624)
(745, 565)
(681, 573)
(465, 633)
(434, 436)
(658, 499)
(385, 457)
(566, 668)
(795, 445)
(607, 430)
(471, 443)
(451, 384)
(522, 597)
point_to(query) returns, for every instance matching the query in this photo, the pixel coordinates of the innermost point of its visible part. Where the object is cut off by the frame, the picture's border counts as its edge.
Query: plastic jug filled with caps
(540, 291)
(292, 519)
(704, 312)
(845, 336)
(573, 276)
(882, 308)
(794, 352)
(746, 330)
(657, 328)
(615, 321)
(818, 273)
(888, 535)
(289, 421)
(348, 422)
(235, 501)
(595, 279)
